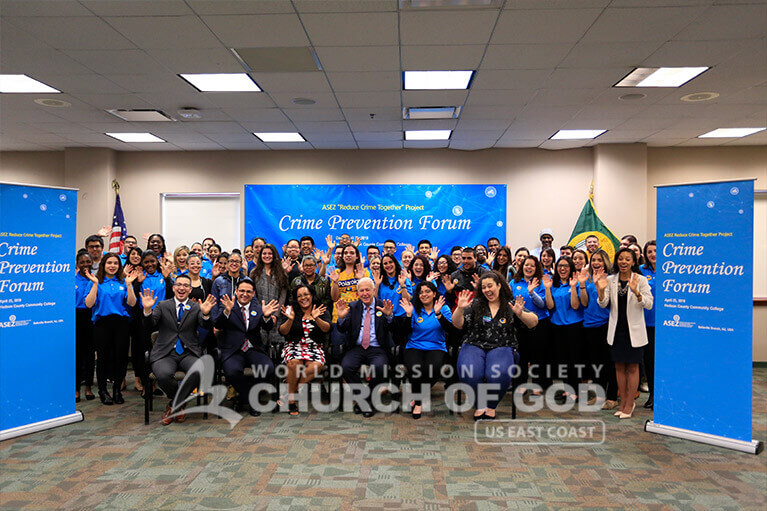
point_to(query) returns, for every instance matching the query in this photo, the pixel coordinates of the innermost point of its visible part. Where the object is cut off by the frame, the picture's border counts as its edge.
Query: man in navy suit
(367, 324)
(240, 322)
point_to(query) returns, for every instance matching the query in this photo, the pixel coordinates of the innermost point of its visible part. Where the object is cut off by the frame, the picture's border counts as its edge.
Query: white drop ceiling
(541, 66)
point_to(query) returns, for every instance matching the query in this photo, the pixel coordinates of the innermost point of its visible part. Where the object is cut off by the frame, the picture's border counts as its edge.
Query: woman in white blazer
(628, 294)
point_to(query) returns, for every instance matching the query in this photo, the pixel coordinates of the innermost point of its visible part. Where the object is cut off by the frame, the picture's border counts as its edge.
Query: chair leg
(147, 394)
(205, 401)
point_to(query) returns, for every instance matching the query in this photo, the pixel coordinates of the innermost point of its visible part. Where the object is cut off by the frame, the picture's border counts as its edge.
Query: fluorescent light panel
(427, 134)
(222, 82)
(431, 112)
(19, 84)
(279, 137)
(731, 132)
(140, 115)
(660, 76)
(437, 80)
(135, 137)
(576, 134)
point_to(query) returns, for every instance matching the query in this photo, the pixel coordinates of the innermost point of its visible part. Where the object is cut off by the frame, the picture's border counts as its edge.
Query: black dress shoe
(369, 413)
(90, 397)
(77, 400)
(253, 412)
(105, 397)
(649, 403)
(117, 396)
(357, 409)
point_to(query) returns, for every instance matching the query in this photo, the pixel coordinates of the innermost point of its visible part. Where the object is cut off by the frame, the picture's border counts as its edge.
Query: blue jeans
(477, 366)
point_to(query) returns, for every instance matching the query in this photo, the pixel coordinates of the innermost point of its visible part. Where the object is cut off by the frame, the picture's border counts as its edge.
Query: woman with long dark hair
(548, 256)
(628, 294)
(85, 360)
(490, 324)
(425, 324)
(111, 297)
(502, 262)
(271, 283)
(648, 270)
(419, 269)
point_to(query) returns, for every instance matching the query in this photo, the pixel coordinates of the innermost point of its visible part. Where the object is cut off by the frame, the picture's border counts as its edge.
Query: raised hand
(532, 285)
(634, 283)
(583, 276)
(475, 281)
(434, 275)
(131, 276)
(449, 283)
(286, 263)
(166, 267)
(359, 270)
(342, 308)
(464, 299)
(148, 299)
(387, 308)
(518, 305)
(228, 304)
(104, 231)
(141, 276)
(439, 304)
(288, 312)
(434, 253)
(357, 241)
(319, 255)
(269, 308)
(406, 305)
(215, 271)
(547, 282)
(334, 276)
(207, 305)
(573, 282)
(318, 310)
(146, 236)
(600, 280)
(91, 276)
(377, 277)
(330, 242)
(490, 259)
(410, 247)
(403, 276)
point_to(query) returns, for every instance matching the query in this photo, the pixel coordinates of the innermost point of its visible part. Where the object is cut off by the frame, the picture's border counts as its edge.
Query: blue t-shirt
(428, 333)
(594, 315)
(112, 299)
(394, 295)
(520, 289)
(207, 269)
(83, 286)
(156, 283)
(563, 313)
(649, 314)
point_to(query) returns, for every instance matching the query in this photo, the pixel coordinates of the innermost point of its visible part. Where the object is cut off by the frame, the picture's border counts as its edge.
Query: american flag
(119, 231)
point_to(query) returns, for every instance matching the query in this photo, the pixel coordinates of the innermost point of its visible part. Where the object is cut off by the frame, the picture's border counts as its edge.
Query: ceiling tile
(425, 144)
(511, 79)
(692, 53)
(336, 144)
(201, 60)
(560, 4)
(380, 144)
(490, 113)
(12, 8)
(368, 99)
(351, 29)
(270, 30)
(727, 22)
(314, 82)
(212, 129)
(85, 83)
(255, 114)
(323, 100)
(104, 101)
(203, 7)
(137, 7)
(313, 114)
(233, 99)
(641, 24)
(116, 61)
(365, 81)
(323, 126)
(447, 27)
(179, 32)
(334, 6)
(442, 57)
(586, 78)
(379, 114)
(375, 126)
(543, 26)
(73, 33)
(591, 55)
(524, 56)
(434, 97)
(429, 124)
(366, 58)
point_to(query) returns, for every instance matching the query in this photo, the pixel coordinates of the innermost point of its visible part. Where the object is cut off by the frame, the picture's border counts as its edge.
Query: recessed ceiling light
(427, 134)
(280, 137)
(731, 132)
(140, 115)
(437, 80)
(660, 76)
(222, 82)
(54, 103)
(19, 84)
(699, 96)
(190, 113)
(632, 97)
(135, 137)
(431, 112)
(302, 101)
(576, 134)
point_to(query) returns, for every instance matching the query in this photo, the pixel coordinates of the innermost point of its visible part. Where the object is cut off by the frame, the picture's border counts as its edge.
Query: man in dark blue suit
(240, 322)
(367, 324)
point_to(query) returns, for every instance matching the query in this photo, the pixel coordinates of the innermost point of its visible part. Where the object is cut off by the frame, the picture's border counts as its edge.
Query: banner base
(752, 447)
(7, 434)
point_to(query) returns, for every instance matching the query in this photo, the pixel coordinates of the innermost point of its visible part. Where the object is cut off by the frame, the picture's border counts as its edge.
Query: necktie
(245, 320)
(366, 328)
(179, 346)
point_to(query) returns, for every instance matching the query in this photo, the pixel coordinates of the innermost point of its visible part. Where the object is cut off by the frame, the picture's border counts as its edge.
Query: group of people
(535, 316)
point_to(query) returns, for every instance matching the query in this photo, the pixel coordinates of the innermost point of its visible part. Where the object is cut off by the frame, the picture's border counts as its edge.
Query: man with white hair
(367, 323)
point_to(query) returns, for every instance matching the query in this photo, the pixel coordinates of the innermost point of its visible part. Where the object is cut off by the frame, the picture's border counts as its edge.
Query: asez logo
(12, 322)
(674, 321)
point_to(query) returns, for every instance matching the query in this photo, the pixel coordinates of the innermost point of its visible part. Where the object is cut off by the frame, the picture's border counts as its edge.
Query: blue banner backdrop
(37, 304)
(447, 215)
(704, 308)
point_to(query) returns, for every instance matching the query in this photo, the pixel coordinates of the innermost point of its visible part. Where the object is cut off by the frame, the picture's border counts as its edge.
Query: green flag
(589, 224)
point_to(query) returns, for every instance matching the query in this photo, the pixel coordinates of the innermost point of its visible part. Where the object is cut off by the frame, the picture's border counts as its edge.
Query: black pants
(110, 335)
(85, 354)
(165, 370)
(542, 356)
(599, 355)
(423, 367)
(525, 349)
(374, 356)
(649, 359)
(570, 352)
(234, 367)
(139, 343)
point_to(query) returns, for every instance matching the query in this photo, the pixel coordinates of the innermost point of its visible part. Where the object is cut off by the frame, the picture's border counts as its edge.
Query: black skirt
(622, 351)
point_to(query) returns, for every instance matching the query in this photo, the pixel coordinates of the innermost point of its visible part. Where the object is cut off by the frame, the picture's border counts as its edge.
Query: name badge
(398, 290)
(187, 307)
(487, 319)
(253, 313)
(379, 314)
(502, 321)
(121, 288)
(419, 320)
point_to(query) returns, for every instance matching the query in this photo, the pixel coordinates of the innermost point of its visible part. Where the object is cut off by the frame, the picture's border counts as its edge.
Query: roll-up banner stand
(704, 314)
(37, 308)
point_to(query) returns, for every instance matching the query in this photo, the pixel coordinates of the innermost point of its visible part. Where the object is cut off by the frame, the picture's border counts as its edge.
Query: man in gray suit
(178, 346)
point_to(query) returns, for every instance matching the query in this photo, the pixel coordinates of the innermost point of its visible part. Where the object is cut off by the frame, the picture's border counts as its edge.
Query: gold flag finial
(116, 185)
(591, 190)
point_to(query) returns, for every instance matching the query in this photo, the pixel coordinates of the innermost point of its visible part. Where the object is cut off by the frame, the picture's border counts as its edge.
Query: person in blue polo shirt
(563, 302)
(648, 270)
(110, 298)
(425, 322)
(85, 360)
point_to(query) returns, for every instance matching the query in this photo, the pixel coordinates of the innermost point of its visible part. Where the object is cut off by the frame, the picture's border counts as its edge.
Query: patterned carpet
(343, 461)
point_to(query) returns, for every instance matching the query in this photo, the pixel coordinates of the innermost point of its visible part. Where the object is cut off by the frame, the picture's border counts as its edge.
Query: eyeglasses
(182, 286)
(235, 261)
